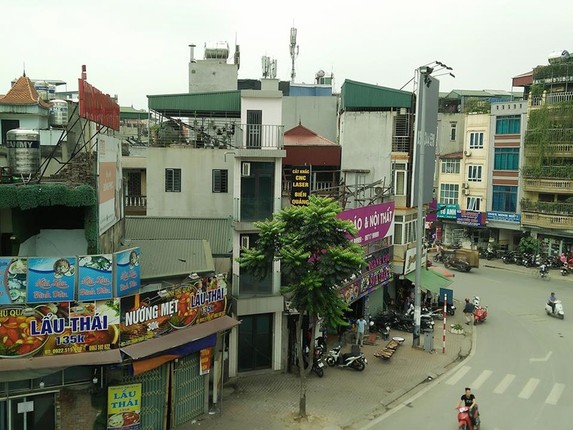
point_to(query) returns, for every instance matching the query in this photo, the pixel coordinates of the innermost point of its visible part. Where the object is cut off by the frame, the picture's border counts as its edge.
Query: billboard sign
(300, 189)
(97, 107)
(109, 181)
(410, 259)
(470, 218)
(448, 211)
(503, 216)
(374, 222)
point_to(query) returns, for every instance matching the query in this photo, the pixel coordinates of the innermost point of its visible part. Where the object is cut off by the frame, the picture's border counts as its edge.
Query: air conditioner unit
(468, 153)
(466, 192)
(465, 185)
(245, 242)
(246, 169)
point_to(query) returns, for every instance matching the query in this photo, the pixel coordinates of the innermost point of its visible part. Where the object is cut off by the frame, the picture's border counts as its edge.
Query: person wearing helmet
(469, 311)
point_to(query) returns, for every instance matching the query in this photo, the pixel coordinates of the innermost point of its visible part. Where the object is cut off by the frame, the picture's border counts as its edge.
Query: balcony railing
(136, 201)
(548, 221)
(548, 185)
(552, 98)
(223, 136)
(560, 208)
(401, 143)
(553, 149)
(548, 172)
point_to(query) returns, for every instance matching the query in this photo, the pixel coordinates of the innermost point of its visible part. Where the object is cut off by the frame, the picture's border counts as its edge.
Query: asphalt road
(519, 368)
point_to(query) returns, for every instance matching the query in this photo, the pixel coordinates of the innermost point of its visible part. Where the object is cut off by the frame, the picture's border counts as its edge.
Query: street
(519, 366)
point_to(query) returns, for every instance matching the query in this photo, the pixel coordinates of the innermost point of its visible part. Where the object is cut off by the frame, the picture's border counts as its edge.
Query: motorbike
(480, 312)
(558, 310)
(317, 364)
(464, 421)
(450, 309)
(355, 361)
(565, 269)
(510, 257)
(457, 263)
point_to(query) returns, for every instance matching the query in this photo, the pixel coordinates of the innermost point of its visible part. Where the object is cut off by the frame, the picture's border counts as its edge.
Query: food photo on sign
(13, 279)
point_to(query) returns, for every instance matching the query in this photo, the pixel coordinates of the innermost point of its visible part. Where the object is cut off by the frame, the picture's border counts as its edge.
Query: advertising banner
(300, 190)
(410, 260)
(124, 407)
(95, 277)
(448, 211)
(376, 274)
(127, 272)
(148, 315)
(13, 280)
(470, 218)
(58, 328)
(205, 361)
(51, 279)
(374, 222)
(110, 183)
(502, 216)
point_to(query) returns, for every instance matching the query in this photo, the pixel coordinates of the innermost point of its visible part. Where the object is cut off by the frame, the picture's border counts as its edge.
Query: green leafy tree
(316, 256)
(528, 245)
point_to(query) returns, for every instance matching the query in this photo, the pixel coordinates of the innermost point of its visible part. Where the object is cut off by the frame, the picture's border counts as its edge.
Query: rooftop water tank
(43, 89)
(23, 151)
(218, 50)
(58, 113)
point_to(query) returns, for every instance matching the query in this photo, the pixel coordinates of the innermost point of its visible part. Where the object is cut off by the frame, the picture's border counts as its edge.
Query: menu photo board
(13, 280)
(51, 279)
(124, 407)
(95, 277)
(50, 329)
(127, 272)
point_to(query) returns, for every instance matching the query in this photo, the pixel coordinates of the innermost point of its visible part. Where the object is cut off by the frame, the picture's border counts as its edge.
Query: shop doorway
(255, 342)
(28, 413)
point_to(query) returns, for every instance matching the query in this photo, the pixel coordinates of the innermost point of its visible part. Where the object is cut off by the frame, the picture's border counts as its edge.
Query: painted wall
(315, 113)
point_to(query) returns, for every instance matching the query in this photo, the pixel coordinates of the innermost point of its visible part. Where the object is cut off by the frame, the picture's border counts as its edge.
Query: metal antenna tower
(293, 52)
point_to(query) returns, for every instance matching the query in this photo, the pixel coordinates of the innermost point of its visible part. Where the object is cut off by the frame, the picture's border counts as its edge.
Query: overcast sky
(134, 48)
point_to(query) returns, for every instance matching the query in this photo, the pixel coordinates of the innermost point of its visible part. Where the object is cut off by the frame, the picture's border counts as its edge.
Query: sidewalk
(343, 398)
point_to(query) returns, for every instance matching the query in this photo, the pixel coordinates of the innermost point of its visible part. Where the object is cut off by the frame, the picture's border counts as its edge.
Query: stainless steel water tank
(58, 113)
(23, 151)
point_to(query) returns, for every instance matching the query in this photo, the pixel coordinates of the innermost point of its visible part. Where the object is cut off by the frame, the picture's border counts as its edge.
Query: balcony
(549, 142)
(557, 222)
(564, 172)
(558, 186)
(136, 205)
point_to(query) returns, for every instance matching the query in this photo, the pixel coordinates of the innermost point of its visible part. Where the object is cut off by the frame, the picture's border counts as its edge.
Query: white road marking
(529, 388)
(505, 382)
(555, 394)
(546, 358)
(459, 375)
(481, 379)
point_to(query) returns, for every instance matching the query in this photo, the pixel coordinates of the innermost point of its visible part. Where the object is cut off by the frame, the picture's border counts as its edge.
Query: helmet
(467, 300)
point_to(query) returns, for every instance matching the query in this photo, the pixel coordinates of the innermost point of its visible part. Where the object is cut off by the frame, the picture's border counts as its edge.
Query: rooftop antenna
(293, 52)
(24, 68)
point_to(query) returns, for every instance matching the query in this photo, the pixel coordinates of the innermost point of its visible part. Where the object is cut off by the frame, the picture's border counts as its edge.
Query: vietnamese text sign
(300, 189)
(51, 279)
(503, 216)
(470, 218)
(124, 407)
(127, 272)
(95, 277)
(448, 211)
(374, 222)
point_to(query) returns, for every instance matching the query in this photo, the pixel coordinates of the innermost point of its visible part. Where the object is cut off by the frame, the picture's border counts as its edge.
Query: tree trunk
(301, 370)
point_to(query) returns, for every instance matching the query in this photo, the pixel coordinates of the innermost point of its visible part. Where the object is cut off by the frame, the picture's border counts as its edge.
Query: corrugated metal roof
(167, 258)
(220, 104)
(126, 112)
(361, 96)
(218, 231)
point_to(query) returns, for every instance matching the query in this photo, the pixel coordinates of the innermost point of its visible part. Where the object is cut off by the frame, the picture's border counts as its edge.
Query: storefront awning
(62, 361)
(431, 280)
(179, 337)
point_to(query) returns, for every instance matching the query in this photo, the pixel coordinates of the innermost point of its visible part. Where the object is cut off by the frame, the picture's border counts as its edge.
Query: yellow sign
(124, 407)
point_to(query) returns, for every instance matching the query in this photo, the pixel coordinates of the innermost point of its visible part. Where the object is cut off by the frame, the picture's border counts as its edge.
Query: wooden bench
(388, 351)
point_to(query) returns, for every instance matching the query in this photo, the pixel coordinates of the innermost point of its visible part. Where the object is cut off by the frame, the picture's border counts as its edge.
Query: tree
(528, 245)
(316, 254)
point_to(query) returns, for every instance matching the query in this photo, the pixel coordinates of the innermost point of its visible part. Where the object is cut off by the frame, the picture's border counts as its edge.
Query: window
(476, 140)
(474, 173)
(504, 198)
(399, 178)
(405, 231)
(449, 194)
(220, 181)
(506, 159)
(453, 129)
(473, 203)
(172, 180)
(450, 166)
(510, 124)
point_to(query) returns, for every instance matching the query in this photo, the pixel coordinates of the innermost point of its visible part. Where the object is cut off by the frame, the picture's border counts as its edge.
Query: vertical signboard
(425, 132)
(95, 277)
(109, 181)
(124, 407)
(300, 190)
(127, 272)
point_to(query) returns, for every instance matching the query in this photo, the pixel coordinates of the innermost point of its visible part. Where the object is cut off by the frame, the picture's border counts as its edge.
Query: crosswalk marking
(459, 375)
(555, 394)
(505, 382)
(529, 388)
(481, 379)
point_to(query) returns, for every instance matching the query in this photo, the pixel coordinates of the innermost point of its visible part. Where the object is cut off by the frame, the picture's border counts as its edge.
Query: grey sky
(137, 47)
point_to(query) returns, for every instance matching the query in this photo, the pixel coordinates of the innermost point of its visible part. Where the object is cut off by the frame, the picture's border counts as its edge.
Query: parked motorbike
(355, 361)
(450, 309)
(457, 263)
(317, 364)
(509, 257)
(558, 313)
(480, 312)
(565, 269)
(488, 254)
(464, 421)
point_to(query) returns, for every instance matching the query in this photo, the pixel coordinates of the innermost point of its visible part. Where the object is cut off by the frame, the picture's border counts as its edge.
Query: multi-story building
(547, 176)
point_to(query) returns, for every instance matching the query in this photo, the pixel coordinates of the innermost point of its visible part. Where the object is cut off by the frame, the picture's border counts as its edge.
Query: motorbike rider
(469, 401)
(469, 310)
(551, 301)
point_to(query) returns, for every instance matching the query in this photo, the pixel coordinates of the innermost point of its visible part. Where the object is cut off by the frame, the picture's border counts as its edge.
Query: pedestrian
(360, 327)
(469, 310)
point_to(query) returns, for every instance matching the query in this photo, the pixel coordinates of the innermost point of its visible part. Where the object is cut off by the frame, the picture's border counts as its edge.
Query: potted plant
(457, 328)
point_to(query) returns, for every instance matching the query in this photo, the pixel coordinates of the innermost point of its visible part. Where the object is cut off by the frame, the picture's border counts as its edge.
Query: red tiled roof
(302, 136)
(23, 93)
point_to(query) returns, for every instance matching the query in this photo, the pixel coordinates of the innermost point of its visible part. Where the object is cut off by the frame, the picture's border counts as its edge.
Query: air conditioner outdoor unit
(466, 192)
(467, 153)
(246, 169)
(465, 185)
(245, 242)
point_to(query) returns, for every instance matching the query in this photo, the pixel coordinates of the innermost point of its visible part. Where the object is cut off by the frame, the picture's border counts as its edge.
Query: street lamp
(424, 82)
